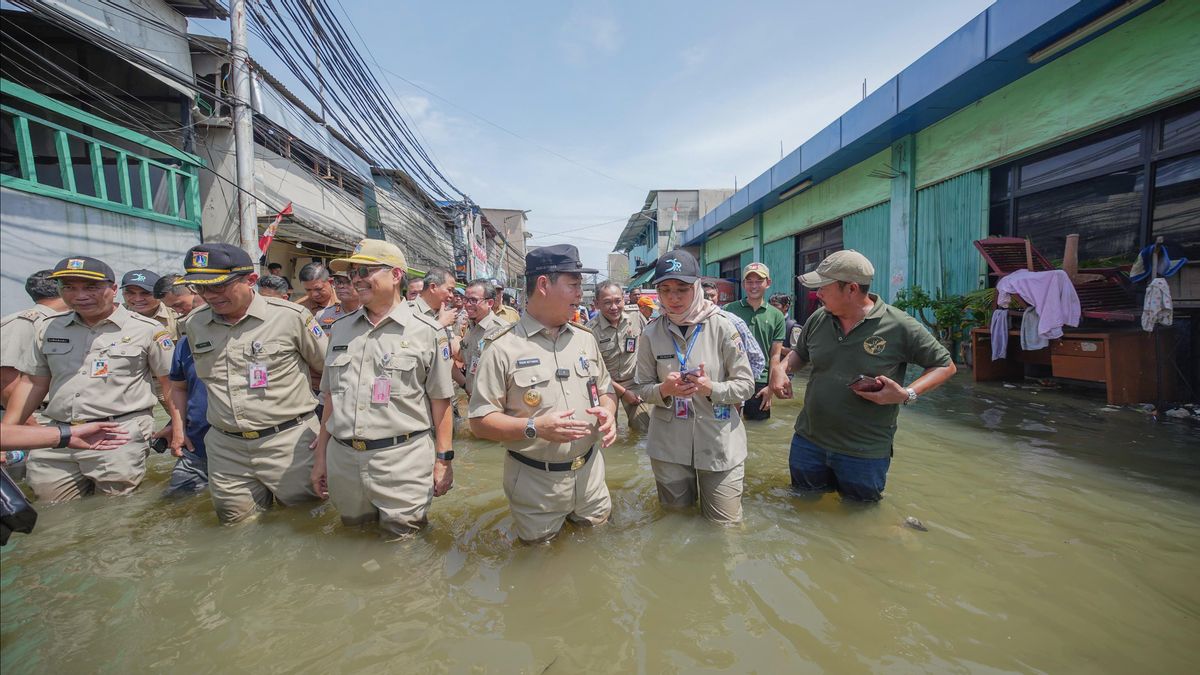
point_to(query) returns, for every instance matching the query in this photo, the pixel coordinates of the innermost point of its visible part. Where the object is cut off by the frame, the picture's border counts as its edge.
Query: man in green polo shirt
(767, 325)
(844, 433)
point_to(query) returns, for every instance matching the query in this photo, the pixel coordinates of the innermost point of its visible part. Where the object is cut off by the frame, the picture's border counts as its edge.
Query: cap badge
(138, 277)
(199, 258)
(532, 397)
(675, 265)
(75, 264)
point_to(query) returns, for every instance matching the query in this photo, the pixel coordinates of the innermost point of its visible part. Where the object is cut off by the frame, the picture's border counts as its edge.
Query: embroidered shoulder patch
(164, 341)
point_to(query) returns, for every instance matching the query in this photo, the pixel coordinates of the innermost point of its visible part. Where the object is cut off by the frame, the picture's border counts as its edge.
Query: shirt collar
(421, 306)
(603, 322)
(532, 326)
(118, 318)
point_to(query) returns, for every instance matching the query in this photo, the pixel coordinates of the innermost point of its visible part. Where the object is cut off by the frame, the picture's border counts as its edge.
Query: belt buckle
(578, 462)
(358, 444)
(250, 434)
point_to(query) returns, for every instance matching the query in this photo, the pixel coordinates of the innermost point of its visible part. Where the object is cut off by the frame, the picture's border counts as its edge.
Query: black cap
(143, 279)
(215, 263)
(679, 265)
(83, 267)
(557, 258)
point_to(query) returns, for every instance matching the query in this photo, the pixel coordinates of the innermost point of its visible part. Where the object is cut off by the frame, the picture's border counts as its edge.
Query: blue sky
(639, 95)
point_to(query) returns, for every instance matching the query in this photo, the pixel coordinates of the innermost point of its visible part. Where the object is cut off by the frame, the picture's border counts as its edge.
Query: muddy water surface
(1062, 538)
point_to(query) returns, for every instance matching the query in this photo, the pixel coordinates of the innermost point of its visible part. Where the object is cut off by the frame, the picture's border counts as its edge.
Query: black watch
(446, 456)
(530, 429)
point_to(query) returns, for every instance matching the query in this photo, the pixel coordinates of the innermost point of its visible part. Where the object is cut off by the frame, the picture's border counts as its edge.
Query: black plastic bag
(16, 514)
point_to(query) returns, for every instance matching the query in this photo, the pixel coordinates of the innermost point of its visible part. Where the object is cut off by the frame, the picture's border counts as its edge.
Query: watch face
(530, 431)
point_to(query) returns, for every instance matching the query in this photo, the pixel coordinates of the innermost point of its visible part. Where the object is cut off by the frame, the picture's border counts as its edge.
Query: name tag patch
(664, 357)
(525, 363)
(340, 348)
(203, 345)
(59, 340)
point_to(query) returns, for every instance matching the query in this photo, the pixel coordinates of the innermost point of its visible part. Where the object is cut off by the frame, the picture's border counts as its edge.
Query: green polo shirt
(883, 343)
(766, 323)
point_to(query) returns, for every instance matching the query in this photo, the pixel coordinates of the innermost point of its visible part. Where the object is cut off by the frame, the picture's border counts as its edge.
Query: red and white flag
(265, 240)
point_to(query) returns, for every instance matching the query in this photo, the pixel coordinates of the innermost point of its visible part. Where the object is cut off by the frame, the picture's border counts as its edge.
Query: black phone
(688, 374)
(159, 445)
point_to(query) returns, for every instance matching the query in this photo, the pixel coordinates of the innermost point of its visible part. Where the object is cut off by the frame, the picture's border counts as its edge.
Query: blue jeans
(816, 469)
(189, 476)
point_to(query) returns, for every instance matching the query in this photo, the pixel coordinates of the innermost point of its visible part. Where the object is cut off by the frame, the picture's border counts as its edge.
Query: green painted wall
(950, 216)
(829, 200)
(1138, 66)
(868, 232)
(734, 241)
(780, 257)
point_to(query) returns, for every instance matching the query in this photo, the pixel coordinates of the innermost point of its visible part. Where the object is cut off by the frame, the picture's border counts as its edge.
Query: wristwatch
(530, 430)
(912, 395)
(446, 456)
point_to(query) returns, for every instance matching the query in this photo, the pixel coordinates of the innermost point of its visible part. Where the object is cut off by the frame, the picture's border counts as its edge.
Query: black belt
(263, 433)
(573, 465)
(110, 418)
(360, 444)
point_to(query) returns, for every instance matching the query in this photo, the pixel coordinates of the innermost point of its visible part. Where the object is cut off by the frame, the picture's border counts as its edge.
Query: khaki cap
(847, 266)
(756, 268)
(372, 252)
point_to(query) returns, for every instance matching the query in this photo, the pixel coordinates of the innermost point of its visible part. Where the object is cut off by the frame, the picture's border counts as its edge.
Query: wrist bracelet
(64, 435)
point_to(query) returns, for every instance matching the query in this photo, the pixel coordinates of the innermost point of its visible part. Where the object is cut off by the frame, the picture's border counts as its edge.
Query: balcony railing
(111, 168)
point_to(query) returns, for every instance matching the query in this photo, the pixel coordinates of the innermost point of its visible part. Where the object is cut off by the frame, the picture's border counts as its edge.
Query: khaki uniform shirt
(279, 335)
(421, 307)
(618, 343)
(330, 314)
(523, 372)
(402, 362)
(169, 319)
(18, 332)
(101, 371)
(507, 313)
(472, 346)
(713, 437)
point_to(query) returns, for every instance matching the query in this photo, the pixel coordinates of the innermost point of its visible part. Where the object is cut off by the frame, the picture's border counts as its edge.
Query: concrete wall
(36, 232)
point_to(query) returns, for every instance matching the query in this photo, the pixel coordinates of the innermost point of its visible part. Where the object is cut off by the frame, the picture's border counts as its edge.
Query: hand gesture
(781, 385)
(676, 385)
(607, 426)
(443, 477)
(98, 436)
(559, 427)
(319, 478)
(891, 393)
(703, 384)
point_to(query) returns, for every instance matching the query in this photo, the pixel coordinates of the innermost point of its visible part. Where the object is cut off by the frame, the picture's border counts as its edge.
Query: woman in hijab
(692, 366)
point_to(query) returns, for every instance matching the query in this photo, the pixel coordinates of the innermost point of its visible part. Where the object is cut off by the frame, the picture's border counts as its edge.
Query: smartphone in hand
(687, 375)
(865, 383)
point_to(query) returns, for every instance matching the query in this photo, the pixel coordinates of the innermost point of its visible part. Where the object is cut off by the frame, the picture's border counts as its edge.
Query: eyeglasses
(475, 301)
(341, 280)
(365, 271)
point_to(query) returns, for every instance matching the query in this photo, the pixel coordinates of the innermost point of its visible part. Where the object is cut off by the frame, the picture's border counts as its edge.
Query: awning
(641, 279)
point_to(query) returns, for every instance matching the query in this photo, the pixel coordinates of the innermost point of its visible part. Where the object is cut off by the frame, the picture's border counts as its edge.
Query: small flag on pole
(265, 240)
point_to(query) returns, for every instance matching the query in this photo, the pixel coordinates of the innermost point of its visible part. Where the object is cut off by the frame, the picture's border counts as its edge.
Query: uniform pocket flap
(263, 348)
(337, 359)
(529, 378)
(127, 351)
(57, 347)
(394, 362)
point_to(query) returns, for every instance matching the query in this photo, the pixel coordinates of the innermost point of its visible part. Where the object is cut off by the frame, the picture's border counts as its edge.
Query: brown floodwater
(1062, 538)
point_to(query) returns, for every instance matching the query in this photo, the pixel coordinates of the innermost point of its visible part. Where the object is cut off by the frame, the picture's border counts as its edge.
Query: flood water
(1062, 538)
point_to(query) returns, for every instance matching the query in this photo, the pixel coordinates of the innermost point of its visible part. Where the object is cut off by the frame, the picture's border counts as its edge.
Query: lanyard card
(683, 407)
(258, 376)
(381, 390)
(99, 367)
(593, 392)
(630, 344)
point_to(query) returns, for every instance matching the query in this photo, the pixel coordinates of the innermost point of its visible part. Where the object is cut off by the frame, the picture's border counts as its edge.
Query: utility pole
(243, 130)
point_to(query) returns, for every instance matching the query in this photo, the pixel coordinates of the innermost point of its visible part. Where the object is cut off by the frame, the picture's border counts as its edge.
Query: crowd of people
(348, 392)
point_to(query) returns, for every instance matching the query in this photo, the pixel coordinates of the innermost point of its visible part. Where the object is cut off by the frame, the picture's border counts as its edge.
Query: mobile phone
(864, 383)
(159, 445)
(688, 374)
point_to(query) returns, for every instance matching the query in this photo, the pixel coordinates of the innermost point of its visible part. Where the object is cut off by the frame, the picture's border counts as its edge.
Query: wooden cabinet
(1123, 359)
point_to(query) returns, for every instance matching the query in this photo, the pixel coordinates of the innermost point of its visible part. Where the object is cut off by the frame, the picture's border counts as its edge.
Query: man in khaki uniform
(137, 289)
(481, 295)
(433, 301)
(543, 391)
(96, 362)
(19, 330)
(617, 331)
(253, 355)
(348, 301)
(385, 450)
(506, 313)
(697, 440)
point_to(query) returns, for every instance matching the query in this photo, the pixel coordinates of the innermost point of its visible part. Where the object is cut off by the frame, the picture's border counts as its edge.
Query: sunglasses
(364, 272)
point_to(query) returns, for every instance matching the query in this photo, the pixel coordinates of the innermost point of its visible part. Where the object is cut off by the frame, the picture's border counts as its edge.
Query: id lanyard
(683, 356)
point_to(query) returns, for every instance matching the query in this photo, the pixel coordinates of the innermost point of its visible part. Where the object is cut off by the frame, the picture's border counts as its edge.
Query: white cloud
(584, 34)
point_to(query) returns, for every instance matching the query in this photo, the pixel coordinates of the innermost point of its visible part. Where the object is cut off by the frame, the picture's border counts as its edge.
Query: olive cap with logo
(371, 252)
(756, 268)
(215, 263)
(678, 265)
(143, 279)
(556, 258)
(83, 267)
(845, 266)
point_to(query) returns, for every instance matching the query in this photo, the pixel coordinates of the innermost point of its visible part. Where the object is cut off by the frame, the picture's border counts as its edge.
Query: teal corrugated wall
(868, 232)
(780, 257)
(713, 270)
(747, 257)
(950, 216)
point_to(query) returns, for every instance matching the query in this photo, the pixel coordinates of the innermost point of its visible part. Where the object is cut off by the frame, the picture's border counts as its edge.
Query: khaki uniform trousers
(244, 474)
(542, 500)
(63, 474)
(393, 486)
(720, 492)
(638, 415)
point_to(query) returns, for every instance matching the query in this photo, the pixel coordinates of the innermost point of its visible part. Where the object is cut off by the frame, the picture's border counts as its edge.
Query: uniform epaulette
(145, 319)
(580, 326)
(278, 302)
(495, 333)
(31, 315)
(429, 321)
(354, 313)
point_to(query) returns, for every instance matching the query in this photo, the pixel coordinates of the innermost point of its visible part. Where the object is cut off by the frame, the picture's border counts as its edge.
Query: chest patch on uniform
(59, 340)
(664, 357)
(340, 348)
(203, 345)
(607, 339)
(525, 363)
(874, 345)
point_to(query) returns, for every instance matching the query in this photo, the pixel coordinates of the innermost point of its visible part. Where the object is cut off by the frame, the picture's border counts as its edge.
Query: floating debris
(1179, 413)
(915, 524)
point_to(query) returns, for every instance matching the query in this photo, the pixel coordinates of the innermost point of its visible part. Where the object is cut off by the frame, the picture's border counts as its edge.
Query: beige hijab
(700, 309)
